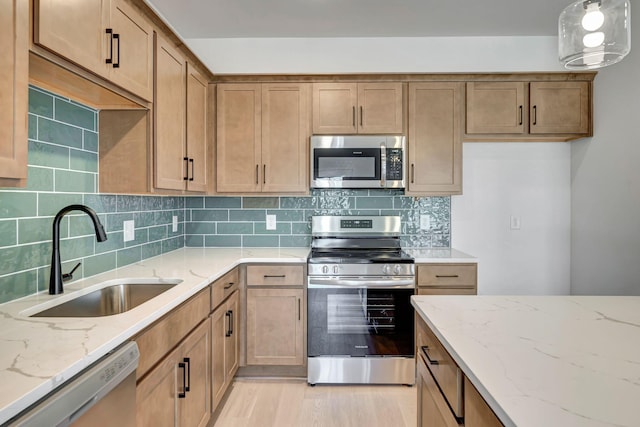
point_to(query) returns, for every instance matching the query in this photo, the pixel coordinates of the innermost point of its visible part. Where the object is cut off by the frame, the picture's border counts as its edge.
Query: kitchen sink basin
(110, 300)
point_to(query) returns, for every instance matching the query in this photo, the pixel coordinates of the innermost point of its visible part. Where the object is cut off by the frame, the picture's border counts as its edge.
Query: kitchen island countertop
(39, 354)
(545, 360)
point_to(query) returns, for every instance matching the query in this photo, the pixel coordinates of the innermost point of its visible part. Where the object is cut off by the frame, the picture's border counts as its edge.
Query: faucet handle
(69, 275)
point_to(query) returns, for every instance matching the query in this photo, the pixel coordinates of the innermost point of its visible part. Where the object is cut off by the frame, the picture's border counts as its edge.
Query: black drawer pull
(229, 285)
(430, 360)
(183, 394)
(275, 276)
(441, 276)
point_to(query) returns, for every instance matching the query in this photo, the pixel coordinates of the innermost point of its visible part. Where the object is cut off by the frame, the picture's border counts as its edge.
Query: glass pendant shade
(594, 33)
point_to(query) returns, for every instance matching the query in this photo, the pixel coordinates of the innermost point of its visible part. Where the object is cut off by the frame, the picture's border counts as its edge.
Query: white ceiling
(360, 18)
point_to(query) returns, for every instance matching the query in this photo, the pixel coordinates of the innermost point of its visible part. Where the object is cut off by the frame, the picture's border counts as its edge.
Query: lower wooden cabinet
(275, 326)
(477, 412)
(433, 410)
(447, 279)
(177, 391)
(225, 327)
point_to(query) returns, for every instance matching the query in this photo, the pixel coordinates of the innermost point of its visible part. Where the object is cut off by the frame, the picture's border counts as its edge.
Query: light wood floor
(293, 403)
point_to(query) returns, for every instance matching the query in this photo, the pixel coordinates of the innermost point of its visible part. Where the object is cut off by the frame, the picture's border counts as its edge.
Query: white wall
(605, 177)
(500, 180)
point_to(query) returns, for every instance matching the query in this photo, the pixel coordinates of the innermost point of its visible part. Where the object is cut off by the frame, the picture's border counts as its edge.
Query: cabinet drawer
(223, 287)
(445, 371)
(157, 340)
(446, 290)
(275, 275)
(447, 275)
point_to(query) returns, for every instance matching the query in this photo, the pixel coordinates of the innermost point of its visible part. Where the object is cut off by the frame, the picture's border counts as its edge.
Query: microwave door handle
(383, 165)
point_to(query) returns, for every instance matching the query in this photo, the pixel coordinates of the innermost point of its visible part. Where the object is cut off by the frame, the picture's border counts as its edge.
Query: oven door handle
(378, 282)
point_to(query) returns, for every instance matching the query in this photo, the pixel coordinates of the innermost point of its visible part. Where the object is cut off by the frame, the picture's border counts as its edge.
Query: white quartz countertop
(440, 255)
(545, 360)
(38, 354)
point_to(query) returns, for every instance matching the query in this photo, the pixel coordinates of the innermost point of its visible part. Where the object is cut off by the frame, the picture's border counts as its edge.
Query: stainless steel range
(360, 327)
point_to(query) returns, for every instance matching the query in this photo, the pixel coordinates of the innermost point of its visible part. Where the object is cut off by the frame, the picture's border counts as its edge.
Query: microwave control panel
(394, 164)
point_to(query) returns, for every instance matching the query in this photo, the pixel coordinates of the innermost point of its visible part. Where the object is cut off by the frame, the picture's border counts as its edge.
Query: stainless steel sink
(107, 301)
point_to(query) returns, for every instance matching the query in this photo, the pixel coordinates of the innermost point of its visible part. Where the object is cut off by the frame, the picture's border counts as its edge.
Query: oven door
(360, 317)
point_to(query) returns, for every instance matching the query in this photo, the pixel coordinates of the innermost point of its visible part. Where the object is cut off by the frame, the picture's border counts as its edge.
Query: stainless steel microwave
(357, 161)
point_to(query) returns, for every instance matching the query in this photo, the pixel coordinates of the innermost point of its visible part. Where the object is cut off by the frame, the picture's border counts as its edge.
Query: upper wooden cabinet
(435, 144)
(262, 138)
(108, 37)
(14, 77)
(540, 110)
(180, 118)
(366, 108)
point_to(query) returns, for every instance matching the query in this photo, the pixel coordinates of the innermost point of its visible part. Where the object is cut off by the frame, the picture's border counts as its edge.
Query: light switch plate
(129, 231)
(425, 222)
(174, 224)
(271, 222)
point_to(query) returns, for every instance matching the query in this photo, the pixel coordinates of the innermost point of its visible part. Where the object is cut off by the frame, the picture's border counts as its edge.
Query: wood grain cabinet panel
(447, 279)
(435, 139)
(262, 138)
(495, 107)
(433, 410)
(560, 107)
(275, 326)
(225, 327)
(14, 74)
(197, 135)
(365, 108)
(110, 38)
(476, 411)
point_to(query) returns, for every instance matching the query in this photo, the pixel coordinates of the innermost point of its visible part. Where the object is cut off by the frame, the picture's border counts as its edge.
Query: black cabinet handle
(193, 169)
(229, 285)
(353, 115)
(186, 168)
(535, 115)
(257, 169)
(117, 37)
(412, 173)
(520, 115)
(430, 360)
(229, 315)
(275, 276)
(183, 394)
(361, 116)
(264, 174)
(109, 31)
(439, 276)
(188, 383)
(299, 310)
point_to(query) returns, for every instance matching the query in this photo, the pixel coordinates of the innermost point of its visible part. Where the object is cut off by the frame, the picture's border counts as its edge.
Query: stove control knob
(386, 269)
(397, 269)
(325, 269)
(335, 269)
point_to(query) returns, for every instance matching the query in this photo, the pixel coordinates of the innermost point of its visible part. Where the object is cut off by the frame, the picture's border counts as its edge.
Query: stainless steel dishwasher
(102, 395)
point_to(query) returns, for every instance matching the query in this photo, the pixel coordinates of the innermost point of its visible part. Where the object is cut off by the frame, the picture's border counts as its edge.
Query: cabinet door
(232, 337)
(476, 411)
(334, 108)
(75, 30)
(285, 137)
(218, 341)
(132, 66)
(197, 89)
(195, 407)
(435, 143)
(495, 107)
(238, 138)
(433, 410)
(274, 327)
(156, 395)
(14, 75)
(380, 108)
(169, 117)
(560, 107)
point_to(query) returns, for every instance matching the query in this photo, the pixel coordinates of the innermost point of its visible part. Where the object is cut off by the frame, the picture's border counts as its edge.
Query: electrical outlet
(425, 222)
(271, 222)
(129, 231)
(514, 222)
(174, 224)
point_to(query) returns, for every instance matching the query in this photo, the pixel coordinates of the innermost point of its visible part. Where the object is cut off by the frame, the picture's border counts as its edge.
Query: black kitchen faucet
(56, 278)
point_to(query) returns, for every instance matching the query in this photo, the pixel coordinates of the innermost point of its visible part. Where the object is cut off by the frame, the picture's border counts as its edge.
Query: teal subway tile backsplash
(63, 170)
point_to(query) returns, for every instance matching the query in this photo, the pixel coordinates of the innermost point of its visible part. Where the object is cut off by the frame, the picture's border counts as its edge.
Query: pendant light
(594, 33)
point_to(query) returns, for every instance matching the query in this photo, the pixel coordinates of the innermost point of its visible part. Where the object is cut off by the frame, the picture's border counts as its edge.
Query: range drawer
(223, 287)
(447, 275)
(445, 371)
(275, 275)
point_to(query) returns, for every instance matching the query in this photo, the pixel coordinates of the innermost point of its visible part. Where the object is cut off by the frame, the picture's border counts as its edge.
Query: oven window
(360, 322)
(346, 163)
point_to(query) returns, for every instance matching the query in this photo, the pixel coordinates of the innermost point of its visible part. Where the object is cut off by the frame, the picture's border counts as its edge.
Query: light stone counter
(38, 354)
(440, 255)
(545, 360)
